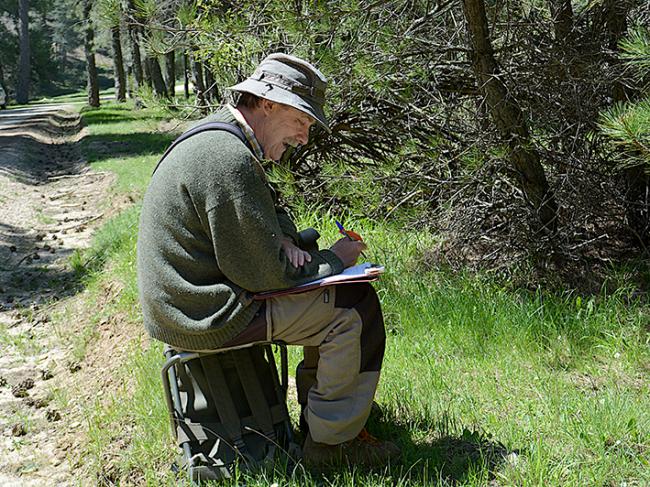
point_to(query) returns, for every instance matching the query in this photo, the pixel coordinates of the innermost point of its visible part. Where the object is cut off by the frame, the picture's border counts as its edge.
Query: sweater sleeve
(246, 235)
(286, 225)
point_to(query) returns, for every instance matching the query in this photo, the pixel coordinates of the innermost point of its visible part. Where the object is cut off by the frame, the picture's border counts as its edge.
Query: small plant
(77, 263)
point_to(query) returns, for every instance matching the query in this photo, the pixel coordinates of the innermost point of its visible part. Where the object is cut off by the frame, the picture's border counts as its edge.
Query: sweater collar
(248, 132)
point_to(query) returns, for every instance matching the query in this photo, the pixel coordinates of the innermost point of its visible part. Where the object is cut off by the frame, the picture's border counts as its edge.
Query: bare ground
(50, 202)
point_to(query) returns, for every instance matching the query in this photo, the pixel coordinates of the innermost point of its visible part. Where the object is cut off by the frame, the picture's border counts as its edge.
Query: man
(211, 236)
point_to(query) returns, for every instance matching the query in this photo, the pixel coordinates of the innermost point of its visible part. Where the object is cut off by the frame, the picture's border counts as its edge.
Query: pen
(355, 237)
(341, 229)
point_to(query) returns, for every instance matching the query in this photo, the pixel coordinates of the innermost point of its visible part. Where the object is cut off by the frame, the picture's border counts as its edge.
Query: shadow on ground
(448, 457)
(116, 114)
(111, 146)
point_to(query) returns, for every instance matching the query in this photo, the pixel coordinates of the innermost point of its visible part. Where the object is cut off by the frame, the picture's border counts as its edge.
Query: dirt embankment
(50, 202)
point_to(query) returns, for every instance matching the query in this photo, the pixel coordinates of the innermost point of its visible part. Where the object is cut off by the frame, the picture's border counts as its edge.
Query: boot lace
(365, 437)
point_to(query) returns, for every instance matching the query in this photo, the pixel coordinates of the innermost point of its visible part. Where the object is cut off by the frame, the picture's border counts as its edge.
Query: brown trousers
(343, 329)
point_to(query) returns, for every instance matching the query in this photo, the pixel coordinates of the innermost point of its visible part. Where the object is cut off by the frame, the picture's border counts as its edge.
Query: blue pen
(341, 229)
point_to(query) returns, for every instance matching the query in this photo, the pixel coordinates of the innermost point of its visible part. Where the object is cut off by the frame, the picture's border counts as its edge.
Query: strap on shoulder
(204, 127)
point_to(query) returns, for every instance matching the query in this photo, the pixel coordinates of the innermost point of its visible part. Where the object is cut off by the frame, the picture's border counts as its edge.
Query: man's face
(284, 126)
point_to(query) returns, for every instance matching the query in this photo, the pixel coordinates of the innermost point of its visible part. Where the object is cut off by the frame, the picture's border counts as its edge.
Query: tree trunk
(24, 62)
(63, 59)
(614, 21)
(197, 81)
(146, 65)
(118, 64)
(186, 77)
(134, 37)
(170, 71)
(2, 78)
(156, 77)
(89, 49)
(637, 204)
(562, 14)
(130, 89)
(136, 67)
(508, 117)
(211, 90)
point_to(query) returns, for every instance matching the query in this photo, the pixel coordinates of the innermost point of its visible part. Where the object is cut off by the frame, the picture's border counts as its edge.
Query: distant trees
(156, 76)
(110, 13)
(134, 44)
(118, 64)
(89, 50)
(66, 37)
(24, 61)
(36, 39)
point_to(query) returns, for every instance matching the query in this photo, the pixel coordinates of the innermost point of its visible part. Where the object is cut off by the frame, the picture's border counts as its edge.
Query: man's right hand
(348, 250)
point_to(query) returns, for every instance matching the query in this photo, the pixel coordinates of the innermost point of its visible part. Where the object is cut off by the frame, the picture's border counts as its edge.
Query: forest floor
(50, 202)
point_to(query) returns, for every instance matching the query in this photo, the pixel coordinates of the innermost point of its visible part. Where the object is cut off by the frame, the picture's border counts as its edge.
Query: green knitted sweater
(210, 236)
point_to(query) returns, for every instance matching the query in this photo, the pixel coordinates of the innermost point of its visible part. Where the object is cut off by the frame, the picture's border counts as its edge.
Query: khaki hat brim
(280, 95)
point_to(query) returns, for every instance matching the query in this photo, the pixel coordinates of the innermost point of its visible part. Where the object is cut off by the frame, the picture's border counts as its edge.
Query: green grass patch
(127, 142)
(481, 383)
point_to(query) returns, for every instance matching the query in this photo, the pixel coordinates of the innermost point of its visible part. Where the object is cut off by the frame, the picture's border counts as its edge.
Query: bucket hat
(291, 81)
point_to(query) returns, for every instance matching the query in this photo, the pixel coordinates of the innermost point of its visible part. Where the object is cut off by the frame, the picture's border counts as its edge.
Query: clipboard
(366, 272)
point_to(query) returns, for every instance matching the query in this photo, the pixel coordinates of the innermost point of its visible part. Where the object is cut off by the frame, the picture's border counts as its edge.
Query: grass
(481, 384)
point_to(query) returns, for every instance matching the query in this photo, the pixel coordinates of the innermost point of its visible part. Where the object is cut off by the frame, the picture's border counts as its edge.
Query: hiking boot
(365, 450)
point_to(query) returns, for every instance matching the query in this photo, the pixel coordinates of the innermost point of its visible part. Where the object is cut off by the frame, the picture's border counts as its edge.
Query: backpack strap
(204, 127)
(228, 411)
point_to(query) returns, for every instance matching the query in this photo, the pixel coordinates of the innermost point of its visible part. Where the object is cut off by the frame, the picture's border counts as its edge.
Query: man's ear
(268, 106)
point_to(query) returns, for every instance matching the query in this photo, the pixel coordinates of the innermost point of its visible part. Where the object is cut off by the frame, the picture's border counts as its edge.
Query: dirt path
(50, 202)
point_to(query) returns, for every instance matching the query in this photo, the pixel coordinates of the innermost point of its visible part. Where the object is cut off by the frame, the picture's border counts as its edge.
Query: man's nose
(303, 136)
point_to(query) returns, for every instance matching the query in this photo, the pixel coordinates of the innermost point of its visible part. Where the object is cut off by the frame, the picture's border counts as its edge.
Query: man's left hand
(296, 256)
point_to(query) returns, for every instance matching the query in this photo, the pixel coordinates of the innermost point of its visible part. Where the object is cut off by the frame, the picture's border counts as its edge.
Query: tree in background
(89, 50)
(118, 64)
(198, 81)
(8, 56)
(157, 80)
(168, 49)
(134, 38)
(110, 13)
(186, 77)
(2, 78)
(54, 39)
(170, 72)
(142, 15)
(508, 117)
(24, 61)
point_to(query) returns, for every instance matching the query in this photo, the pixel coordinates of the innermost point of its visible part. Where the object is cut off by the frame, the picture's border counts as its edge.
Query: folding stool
(228, 407)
